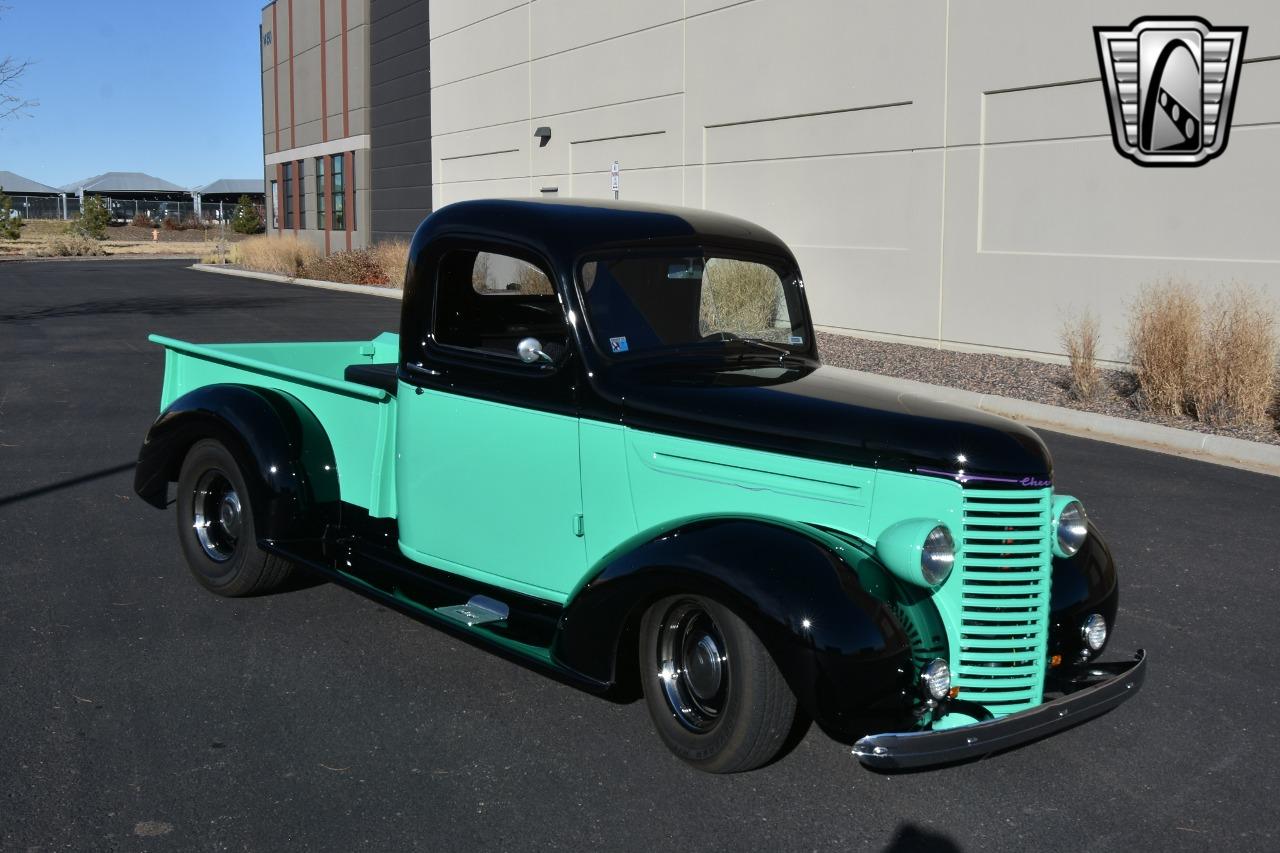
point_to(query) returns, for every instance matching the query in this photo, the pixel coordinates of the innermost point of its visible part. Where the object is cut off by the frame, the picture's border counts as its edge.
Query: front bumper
(1101, 688)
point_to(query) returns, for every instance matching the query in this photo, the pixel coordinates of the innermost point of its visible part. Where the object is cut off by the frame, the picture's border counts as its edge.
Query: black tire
(722, 717)
(221, 547)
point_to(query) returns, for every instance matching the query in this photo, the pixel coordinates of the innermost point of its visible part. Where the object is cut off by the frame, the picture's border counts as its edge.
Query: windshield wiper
(762, 344)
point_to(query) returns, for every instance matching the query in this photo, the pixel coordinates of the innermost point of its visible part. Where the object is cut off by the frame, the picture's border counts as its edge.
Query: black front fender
(802, 591)
(1083, 584)
(282, 449)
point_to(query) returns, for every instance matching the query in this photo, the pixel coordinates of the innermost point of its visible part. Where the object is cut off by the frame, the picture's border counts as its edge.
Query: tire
(215, 526)
(722, 706)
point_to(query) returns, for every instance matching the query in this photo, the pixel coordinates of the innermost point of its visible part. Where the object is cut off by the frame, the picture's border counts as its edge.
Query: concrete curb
(1219, 449)
(366, 289)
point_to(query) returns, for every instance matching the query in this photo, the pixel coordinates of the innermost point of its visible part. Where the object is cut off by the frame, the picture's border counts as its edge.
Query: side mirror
(530, 351)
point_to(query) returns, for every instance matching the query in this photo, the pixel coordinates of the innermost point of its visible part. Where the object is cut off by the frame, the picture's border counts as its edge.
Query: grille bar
(1004, 568)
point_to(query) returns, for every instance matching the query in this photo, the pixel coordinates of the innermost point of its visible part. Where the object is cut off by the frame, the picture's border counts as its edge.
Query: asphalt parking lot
(139, 712)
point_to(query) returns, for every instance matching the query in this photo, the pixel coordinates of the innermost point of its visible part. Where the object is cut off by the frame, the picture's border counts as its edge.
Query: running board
(479, 610)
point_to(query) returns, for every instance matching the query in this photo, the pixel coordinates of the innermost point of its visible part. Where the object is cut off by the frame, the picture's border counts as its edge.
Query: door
(487, 468)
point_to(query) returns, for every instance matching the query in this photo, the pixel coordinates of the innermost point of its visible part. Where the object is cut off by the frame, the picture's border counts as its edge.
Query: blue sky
(169, 88)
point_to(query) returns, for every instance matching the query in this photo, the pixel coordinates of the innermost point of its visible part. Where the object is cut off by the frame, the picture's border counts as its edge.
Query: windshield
(643, 303)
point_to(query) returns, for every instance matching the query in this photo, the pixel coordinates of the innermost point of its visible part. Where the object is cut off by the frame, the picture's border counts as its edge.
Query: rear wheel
(715, 695)
(215, 526)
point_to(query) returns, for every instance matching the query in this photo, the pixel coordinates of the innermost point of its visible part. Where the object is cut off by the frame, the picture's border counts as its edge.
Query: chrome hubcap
(693, 666)
(216, 517)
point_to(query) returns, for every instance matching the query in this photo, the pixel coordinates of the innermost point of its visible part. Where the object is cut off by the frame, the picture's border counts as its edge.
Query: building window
(339, 192)
(351, 185)
(320, 224)
(275, 206)
(302, 196)
(288, 195)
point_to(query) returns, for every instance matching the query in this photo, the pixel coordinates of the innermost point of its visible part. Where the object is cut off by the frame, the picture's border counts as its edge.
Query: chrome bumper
(1102, 687)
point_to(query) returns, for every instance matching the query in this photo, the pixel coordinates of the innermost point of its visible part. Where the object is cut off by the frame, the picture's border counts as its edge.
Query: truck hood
(827, 413)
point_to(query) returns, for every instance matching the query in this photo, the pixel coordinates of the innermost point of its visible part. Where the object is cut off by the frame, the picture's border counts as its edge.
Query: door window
(488, 302)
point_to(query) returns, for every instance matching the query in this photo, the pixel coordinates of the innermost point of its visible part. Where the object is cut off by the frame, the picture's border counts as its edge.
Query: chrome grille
(1005, 565)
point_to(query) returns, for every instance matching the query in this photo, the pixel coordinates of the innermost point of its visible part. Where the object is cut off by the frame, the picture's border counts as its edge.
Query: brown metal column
(346, 118)
(293, 141)
(275, 72)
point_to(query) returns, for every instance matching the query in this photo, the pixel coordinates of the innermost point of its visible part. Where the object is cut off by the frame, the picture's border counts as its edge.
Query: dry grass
(65, 246)
(382, 264)
(283, 255)
(739, 297)
(392, 256)
(1216, 362)
(1080, 339)
(1164, 336)
(1235, 368)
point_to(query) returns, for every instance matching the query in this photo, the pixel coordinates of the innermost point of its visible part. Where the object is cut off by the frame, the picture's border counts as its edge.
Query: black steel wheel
(215, 526)
(715, 695)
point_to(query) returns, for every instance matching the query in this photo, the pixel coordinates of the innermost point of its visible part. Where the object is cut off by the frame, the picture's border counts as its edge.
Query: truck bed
(349, 385)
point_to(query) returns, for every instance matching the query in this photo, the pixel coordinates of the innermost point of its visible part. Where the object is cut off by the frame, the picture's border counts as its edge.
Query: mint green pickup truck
(603, 444)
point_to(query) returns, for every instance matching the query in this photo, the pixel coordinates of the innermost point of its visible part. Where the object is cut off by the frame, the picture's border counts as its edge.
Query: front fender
(1083, 584)
(803, 591)
(281, 447)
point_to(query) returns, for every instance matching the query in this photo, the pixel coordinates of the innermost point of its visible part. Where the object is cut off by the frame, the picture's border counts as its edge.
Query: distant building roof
(232, 186)
(17, 185)
(123, 182)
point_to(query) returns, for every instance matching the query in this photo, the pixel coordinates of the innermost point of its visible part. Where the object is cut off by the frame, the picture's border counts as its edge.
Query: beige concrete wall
(943, 170)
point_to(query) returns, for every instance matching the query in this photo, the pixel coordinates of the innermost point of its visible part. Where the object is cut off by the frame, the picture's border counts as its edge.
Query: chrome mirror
(530, 351)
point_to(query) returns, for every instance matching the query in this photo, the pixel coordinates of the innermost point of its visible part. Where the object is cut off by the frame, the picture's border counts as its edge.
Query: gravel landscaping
(1021, 378)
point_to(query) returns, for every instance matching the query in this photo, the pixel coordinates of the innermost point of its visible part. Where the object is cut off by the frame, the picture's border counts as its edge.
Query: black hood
(826, 413)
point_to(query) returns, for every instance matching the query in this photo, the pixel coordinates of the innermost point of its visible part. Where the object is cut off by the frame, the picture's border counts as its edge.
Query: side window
(488, 302)
(493, 274)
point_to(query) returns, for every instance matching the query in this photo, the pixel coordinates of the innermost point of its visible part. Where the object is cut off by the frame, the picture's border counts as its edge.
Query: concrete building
(345, 105)
(944, 170)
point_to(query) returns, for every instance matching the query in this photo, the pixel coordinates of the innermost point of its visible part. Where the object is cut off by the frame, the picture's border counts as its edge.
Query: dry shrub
(356, 266)
(739, 297)
(66, 246)
(1235, 368)
(392, 257)
(283, 255)
(1080, 339)
(1164, 335)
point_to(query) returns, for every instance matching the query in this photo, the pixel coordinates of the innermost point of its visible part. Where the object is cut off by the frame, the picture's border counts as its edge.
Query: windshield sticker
(796, 339)
(618, 344)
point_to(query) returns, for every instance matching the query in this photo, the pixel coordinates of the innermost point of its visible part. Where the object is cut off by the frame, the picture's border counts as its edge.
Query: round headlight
(1073, 528)
(935, 678)
(938, 555)
(1094, 631)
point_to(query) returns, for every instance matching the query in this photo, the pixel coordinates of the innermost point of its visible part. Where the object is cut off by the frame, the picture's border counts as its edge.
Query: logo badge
(1171, 84)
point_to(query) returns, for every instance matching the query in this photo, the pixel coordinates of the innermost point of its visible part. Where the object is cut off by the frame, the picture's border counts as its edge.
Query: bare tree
(11, 71)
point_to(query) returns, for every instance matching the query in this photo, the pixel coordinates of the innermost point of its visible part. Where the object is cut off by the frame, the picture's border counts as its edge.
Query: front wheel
(715, 695)
(215, 526)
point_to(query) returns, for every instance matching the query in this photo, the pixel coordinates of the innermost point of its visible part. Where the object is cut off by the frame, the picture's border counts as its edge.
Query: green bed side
(360, 420)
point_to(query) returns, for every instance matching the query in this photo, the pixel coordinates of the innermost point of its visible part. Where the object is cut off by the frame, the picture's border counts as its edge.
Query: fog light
(936, 679)
(1094, 631)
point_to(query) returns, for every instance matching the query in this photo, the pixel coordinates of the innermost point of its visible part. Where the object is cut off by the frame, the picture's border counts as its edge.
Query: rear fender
(281, 447)
(803, 591)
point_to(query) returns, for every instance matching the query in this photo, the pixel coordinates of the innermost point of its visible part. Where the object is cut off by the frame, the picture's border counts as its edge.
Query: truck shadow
(910, 838)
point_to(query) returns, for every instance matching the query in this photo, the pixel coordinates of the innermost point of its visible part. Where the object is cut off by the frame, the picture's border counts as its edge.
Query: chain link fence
(44, 207)
(126, 210)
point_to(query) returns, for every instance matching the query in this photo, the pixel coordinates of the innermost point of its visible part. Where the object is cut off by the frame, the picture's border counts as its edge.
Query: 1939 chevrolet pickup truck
(603, 443)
